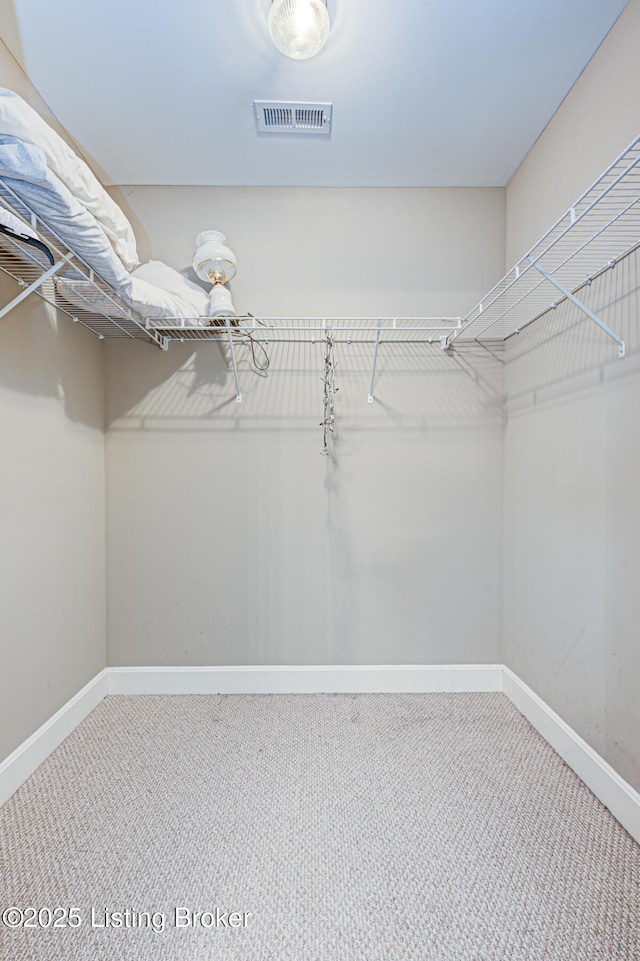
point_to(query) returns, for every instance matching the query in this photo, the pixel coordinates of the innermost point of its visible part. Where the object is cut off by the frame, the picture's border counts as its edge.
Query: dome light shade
(299, 28)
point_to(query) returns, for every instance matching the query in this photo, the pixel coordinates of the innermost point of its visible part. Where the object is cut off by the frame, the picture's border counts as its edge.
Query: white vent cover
(275, 116)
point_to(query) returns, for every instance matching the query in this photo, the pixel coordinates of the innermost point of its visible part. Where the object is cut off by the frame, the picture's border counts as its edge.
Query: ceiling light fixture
(299, 28)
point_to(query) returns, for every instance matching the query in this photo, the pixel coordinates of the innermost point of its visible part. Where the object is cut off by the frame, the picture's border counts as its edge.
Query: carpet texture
(351, 827)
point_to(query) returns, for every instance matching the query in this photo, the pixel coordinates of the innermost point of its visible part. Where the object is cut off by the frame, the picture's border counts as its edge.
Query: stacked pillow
(159, 291)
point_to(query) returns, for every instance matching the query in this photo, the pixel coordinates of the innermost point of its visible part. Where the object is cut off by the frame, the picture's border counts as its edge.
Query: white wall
(230, 539)
(572, 448)
(52, 545)
(52, 615)
(597, 120)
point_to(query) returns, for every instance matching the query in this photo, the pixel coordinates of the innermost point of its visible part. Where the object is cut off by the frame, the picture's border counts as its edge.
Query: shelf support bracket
(34, 286)
(375, 361)
(583, 307)
(447, 339)
(227, 324)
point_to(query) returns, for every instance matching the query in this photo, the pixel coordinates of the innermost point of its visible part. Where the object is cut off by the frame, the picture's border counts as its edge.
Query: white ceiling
(425, 92)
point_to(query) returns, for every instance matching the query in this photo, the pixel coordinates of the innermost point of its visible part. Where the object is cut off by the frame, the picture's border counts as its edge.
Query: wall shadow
(564, 353)
(417, 387)
(43, 353)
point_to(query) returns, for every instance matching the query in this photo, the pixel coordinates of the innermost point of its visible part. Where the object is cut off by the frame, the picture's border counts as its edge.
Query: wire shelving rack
(596, 232)
(345, 330)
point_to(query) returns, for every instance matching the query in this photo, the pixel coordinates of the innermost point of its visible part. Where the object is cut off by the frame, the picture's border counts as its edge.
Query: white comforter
(154, 290)
(23, 167)
(19, 120)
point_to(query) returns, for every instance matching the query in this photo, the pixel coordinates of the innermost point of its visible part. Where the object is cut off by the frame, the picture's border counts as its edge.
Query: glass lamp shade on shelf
(299, 28)
(213, 262)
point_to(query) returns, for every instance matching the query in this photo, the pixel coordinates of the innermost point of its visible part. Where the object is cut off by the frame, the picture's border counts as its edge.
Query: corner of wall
(591, 127)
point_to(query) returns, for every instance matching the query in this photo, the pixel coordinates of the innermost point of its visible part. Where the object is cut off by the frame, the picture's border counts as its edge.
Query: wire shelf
(68, 284)
(596, 232)
(72, 286)
(344, 330)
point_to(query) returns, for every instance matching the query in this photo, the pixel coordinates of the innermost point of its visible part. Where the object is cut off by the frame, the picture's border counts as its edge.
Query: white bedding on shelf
(174, 296)
(82, 294)
(154, 290)
(18, 119)
(24, 169)
(149, 301)
(7, 219)
(159, 291)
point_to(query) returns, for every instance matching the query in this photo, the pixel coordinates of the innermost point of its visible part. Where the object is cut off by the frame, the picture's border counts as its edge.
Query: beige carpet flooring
(352, 828)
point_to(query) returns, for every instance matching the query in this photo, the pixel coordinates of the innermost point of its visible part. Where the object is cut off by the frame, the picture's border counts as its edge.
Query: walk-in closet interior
(320, 539)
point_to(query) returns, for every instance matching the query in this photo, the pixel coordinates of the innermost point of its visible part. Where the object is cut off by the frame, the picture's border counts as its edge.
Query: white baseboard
(20, 765)
(334, 679)
(607, 785)
(621, 799)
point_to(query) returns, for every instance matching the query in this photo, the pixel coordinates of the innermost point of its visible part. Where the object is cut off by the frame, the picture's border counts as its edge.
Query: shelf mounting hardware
(447, 339)
(583, 307)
